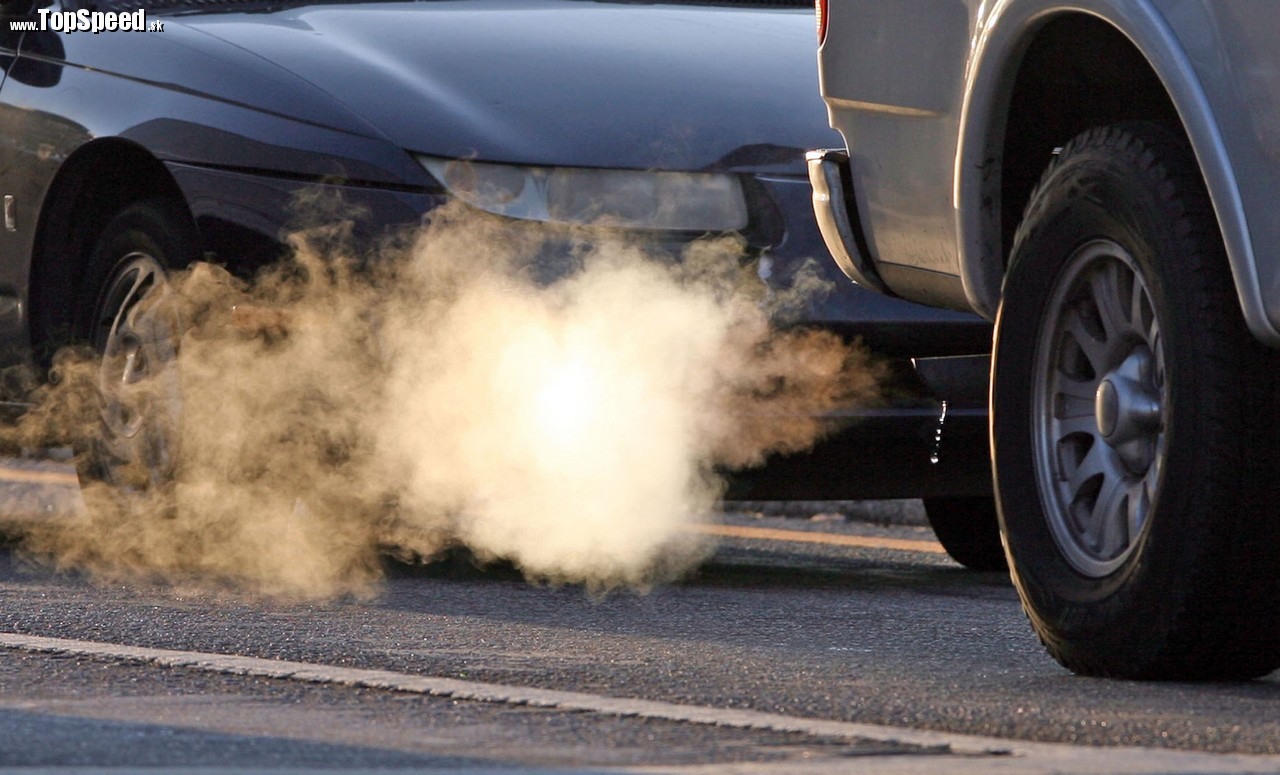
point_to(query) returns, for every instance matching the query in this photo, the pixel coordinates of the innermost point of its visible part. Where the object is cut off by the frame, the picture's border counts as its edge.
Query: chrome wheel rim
(1100, 409)
(137, 332)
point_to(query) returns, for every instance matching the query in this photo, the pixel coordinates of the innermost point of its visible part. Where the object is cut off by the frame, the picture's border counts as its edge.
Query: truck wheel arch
(1003, 145)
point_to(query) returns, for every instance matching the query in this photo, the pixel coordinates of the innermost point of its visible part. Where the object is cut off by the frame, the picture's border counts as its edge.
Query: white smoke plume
(444, 394)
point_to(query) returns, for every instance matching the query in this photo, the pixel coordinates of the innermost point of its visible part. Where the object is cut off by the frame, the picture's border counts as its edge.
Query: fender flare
(1003, 31)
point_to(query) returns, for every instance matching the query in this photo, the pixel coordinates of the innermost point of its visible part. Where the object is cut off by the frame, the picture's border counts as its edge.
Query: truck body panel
(922, 92)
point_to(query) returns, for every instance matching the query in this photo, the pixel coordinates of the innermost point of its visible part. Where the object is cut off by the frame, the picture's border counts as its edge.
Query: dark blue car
(125, 152)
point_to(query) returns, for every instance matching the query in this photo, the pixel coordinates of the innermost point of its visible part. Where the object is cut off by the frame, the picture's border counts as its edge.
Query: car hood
(556, 81)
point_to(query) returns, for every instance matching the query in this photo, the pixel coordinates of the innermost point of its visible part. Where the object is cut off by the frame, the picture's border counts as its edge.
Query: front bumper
(887, 325)
(929, 440)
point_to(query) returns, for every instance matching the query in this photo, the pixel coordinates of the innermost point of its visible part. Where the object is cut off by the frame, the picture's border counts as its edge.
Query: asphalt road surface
(803, 645)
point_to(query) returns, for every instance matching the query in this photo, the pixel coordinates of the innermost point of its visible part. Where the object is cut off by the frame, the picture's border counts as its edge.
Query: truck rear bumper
(832, 196)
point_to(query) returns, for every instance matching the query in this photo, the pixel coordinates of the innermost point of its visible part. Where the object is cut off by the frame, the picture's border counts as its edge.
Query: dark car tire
(967, 527)
(127, 315)
(1133, 422)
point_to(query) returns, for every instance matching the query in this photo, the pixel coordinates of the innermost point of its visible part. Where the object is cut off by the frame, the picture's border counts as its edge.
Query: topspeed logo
(85, 20)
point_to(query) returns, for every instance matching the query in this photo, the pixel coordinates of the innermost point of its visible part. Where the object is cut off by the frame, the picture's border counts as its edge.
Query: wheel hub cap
(1099, 408)
(1127, 409)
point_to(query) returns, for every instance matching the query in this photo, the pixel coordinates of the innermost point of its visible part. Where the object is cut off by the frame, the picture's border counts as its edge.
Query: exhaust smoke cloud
(444, 394)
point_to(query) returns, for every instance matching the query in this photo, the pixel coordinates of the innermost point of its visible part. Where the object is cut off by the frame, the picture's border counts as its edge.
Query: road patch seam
(511, 695)
(1039, 756)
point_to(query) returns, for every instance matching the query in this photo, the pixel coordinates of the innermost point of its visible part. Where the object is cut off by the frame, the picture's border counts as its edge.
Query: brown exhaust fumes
(443, 394)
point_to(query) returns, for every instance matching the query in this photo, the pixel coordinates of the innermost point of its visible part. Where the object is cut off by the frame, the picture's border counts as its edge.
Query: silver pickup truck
(1102, 179)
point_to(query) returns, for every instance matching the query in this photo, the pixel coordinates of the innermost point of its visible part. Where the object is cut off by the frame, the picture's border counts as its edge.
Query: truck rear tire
(1133, 422)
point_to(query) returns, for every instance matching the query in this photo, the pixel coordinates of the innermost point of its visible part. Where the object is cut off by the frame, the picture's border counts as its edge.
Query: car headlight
(674, 201)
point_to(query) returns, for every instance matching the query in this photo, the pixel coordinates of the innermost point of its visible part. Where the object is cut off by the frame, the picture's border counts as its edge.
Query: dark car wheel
(1133, 424)
(130, 319)
(968, 529)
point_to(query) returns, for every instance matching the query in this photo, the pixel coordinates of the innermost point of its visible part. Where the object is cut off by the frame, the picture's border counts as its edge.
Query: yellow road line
(830, 539)
(69, 479)
(37, 476)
